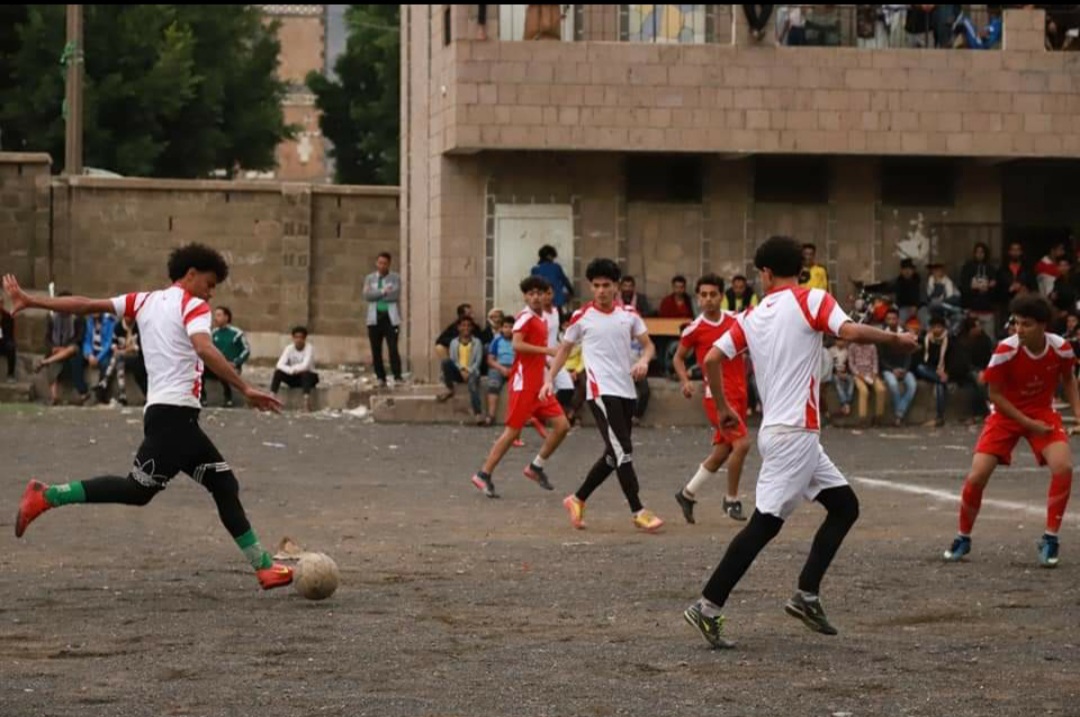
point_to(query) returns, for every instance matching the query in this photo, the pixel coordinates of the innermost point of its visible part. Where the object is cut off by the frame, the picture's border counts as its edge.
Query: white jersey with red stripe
(167, 320)
(783, 336)
(605, 338)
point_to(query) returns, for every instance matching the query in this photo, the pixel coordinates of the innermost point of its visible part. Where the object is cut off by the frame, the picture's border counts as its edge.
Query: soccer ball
(317, 576)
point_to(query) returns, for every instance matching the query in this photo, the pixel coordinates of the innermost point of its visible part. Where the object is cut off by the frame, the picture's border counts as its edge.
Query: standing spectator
(793, 26)
(895, 17)
(677, 304)
(233, 345)
(896, 371)
(463, 366)
(63, 347)
(967, 357)
(757, 17)
(382, 291)
(97, 350)
(931, 365)
(845, 383)
(7, 340)
(1015, 276)
(977, 284)
(1046, 270)
(942, 20)
(813, 275)
(500, 360)
(553, 273)
(630, 297)
(296, 367)
(740, 296)
(870, 31)
(917, 25)
(863, 365)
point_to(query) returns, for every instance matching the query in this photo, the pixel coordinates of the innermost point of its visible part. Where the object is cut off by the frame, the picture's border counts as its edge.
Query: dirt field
(452, 604)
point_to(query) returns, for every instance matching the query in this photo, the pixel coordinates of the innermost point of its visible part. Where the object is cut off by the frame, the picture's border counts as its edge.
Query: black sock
(843, 509)
(740, 554)
(597, 475)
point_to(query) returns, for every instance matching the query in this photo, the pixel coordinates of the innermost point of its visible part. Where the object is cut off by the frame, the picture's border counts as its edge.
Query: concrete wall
(298, 253)
(1017, 101)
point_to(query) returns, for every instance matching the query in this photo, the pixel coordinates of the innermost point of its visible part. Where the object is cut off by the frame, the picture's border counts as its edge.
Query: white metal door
(520, 231)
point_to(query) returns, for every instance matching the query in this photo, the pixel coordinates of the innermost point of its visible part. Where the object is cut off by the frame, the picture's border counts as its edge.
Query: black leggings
(174, 443)
(843, 511)
(613, 419)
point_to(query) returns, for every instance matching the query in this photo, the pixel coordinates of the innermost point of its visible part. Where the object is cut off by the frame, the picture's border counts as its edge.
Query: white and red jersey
(783, 336)
(605, 338)
(167, 320)
(527, 373)
(700, 336)
(563, 381)
(1029, 380)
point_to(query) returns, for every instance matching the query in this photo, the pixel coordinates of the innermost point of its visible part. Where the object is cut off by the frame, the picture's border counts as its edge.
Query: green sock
(65, 493)
(253, 550)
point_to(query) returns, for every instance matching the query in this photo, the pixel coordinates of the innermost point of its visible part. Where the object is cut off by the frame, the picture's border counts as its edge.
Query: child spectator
(845, 383)
(863, 365)
(463, 366)
(296, 367)
(500, 359)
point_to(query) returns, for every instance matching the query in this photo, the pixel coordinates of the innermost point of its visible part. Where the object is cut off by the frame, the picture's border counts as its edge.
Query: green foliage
(169, 90)
(361, 106)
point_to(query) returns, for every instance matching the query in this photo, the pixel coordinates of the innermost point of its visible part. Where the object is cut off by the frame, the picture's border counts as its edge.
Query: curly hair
(198, 257)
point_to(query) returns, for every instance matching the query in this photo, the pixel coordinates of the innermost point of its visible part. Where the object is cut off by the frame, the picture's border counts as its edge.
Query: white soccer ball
(317, 576)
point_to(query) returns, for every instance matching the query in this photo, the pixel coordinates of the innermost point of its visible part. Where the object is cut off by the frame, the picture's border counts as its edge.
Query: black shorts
(174, 443)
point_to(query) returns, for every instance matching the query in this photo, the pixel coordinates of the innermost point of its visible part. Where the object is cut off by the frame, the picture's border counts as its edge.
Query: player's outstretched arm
(223, 369)
(863, 334)
(79, 305)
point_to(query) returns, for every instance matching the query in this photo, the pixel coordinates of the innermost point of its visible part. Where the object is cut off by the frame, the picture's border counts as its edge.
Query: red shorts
(525, 405)
(1000, 435)
(730, 436)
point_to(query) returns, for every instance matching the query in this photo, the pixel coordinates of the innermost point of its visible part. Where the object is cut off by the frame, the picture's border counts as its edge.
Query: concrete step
(19, 392)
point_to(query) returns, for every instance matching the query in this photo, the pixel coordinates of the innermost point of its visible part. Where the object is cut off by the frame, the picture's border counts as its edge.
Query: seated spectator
(463, 366)
(906, 288)
(641, 388)
(1015, 276)
(931, 366)
(7, 340)
(967, 357)
(130, 359)
(630, 297)
(1064, 294)
(500, 358)
(896, 371)
(740, 296)
(1046, 270)
(232, 344)
(989, 38)
(552, 271)
(442, 343)
(97, 350)
(863, 365)
(813, 275)
(845, 383)
(977, 284)
(296, 367)
(677, 304)
(64, 336)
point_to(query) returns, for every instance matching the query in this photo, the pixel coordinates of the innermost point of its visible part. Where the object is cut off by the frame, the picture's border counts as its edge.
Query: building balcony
(697, 82)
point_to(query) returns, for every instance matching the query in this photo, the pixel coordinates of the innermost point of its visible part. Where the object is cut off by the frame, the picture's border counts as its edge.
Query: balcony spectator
(917, 26)
(757, 17)
(233, 345)
(296, 367)
(1046, 270)
(895, 17)
(543, 22)
(823, 26)
(63, 354)
(896, 372)
(990, 37)
(97, 349)
(500, 359)
(629, 296)
(942, 20)
(1015, 276)
(740, 296)
(481, 22)
(382, 291)
(942, 296)
(677, 304)
(870, 30)
(842, 378)
(7, 340)
(813, 275)
(1062, 26)
(931, 366)
(977, 288)
(463, 366)
(967, 357)
(553, 273)
(863, 365)
(792, 21)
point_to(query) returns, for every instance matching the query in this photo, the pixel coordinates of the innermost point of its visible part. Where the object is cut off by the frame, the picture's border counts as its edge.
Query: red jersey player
(526, 379)
(699, 337)
(1022, 377)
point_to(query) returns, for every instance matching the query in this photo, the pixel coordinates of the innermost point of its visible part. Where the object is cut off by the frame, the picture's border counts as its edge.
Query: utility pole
(73, 103)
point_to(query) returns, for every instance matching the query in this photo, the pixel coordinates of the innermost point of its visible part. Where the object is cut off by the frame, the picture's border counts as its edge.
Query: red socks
(970, 501)
(1056, 500)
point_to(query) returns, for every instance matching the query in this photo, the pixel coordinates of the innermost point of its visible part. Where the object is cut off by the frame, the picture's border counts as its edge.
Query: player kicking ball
(699, 337)
(605, 330)
(526, 380)
(1022, 376)
(783, 335)
(174, 327)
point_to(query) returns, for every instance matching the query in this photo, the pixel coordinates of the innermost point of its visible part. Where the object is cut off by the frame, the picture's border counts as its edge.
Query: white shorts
(794, 468)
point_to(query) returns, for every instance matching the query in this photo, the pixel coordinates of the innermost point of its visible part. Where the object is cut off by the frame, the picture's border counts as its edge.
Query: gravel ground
(452, 604)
